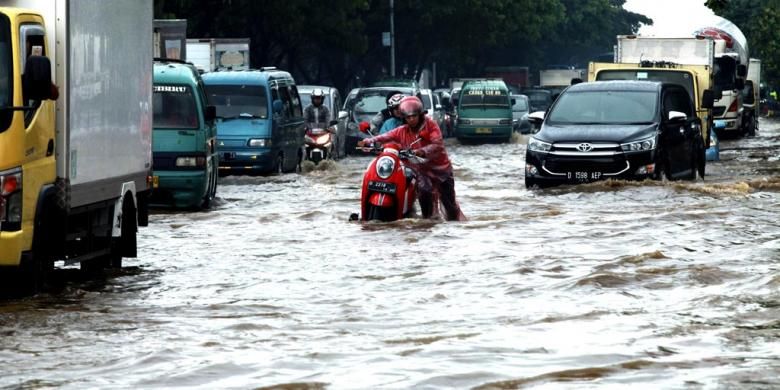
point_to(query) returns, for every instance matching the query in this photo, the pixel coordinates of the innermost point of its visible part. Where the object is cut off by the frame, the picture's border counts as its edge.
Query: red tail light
(733, 106)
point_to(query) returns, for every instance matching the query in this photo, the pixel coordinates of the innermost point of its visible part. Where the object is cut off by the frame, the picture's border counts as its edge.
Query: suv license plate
(584, 176)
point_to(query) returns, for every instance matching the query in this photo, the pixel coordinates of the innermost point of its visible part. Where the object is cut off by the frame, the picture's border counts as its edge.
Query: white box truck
(210, 54)
(75, 164)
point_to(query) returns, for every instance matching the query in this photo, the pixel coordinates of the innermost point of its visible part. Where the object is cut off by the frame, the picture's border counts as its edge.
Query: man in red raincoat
(423, 136)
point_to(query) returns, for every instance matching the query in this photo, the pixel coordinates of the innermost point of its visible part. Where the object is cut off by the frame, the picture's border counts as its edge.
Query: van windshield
(520, 104)
(605, 107)
(484, 97)
(174, 107)
(238, 101)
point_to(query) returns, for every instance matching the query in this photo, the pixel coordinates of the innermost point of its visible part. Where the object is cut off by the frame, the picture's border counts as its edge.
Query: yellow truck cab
(684, 61)
(75, 159)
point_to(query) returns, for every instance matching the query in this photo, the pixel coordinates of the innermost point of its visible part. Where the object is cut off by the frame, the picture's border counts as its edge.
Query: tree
(759, 21)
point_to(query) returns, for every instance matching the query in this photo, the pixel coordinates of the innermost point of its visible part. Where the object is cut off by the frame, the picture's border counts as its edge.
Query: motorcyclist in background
(397, 119)
(379, 119)
(316, 115)
(435, 176)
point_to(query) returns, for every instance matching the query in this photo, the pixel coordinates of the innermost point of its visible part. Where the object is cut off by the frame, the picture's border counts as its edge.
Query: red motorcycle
(389, 186)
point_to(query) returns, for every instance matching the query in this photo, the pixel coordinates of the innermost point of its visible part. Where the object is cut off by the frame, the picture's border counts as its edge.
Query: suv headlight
(538, 146)
(639, 146)
(259, 143)
(385, 167)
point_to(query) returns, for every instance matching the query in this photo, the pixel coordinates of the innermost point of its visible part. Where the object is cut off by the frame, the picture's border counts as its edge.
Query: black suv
(615, 129)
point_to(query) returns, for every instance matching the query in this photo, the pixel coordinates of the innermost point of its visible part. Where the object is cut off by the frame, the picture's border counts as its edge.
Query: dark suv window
(6, 76)
(676, 99)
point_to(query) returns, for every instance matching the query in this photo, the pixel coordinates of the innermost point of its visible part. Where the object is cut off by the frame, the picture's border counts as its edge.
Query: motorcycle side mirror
(364, 126)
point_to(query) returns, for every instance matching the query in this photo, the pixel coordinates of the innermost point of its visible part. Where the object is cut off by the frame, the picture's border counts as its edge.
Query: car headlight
(385, 167)
(259, 143)
(538, 146)
(639, 146)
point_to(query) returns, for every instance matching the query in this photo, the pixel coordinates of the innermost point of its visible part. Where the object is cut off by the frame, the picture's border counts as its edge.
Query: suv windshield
(605, 107)
(234, 101)
(174, 107)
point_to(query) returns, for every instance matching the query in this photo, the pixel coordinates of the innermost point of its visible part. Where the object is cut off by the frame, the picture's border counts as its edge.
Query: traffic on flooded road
(498, 198)
(613, 282)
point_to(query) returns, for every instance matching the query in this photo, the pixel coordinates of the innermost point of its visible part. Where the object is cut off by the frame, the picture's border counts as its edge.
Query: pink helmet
(411, 105)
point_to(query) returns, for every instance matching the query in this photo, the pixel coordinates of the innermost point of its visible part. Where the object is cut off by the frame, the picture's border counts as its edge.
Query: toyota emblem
(585, 147)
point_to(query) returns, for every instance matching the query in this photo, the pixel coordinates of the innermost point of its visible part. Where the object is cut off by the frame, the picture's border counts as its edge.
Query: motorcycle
(320, 142)
(389, 187)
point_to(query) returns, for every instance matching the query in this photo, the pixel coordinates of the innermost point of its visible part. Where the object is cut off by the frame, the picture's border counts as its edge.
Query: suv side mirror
(536, 118)
(210, 113)
(708, 99)
(677, 117)
(343, 115)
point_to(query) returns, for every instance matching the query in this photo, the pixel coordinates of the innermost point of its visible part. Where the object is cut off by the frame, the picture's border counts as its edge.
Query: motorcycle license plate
(380, 186)
(484, 130)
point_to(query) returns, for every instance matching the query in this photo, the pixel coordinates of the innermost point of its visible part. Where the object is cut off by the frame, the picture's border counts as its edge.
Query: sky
(670, 17)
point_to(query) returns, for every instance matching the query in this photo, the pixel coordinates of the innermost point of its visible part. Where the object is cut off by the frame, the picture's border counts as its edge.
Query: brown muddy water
(607, 285)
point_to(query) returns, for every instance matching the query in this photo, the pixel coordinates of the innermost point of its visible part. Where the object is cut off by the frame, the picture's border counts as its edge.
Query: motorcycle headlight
(385, 167)
(259, 143)
(538, 146)
(639, 146)
(323, 139)
(308, 140)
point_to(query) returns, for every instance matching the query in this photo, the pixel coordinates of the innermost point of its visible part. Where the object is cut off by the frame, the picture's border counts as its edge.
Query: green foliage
(339, 41)
(759, 21)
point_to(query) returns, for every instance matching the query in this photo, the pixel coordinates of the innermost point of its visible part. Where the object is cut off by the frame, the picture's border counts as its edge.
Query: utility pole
(392, 39)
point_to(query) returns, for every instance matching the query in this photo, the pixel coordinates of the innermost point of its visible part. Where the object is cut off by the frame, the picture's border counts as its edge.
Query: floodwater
(606, 285)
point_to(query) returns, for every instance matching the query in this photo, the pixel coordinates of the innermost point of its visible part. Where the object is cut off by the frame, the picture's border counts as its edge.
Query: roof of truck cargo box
(252, 76)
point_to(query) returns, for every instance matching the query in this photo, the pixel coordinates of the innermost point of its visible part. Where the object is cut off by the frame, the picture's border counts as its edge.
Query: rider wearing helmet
(316, 115)
(379, 119)
(396, 120)
(421, 134)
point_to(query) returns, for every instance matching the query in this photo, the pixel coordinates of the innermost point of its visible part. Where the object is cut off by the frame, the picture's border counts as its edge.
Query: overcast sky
(670, 17)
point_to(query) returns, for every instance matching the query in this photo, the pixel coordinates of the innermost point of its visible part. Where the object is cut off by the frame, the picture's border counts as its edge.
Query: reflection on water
(661, 284)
